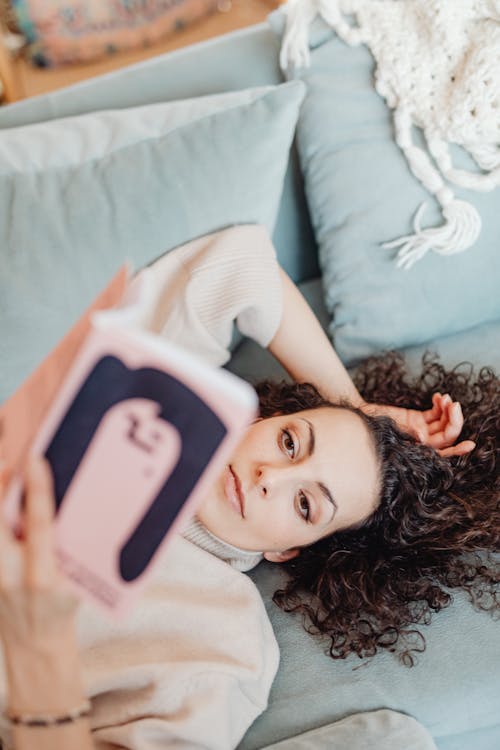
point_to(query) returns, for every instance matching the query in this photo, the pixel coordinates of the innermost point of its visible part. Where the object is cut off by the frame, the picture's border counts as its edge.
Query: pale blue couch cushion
(361, 193)
(242, 59)
(479, 346)
(452, 689)
(76, 140)
(65, 229)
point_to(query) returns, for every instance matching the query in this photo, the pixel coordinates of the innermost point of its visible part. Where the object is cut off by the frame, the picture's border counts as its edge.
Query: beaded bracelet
(28, 720)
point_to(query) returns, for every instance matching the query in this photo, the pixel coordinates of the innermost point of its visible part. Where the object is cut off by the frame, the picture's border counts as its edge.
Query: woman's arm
(37, 626)
(304, 350)
(44, 680)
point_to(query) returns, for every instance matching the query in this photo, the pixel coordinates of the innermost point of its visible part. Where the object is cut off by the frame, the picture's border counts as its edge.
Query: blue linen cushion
(478, 345)
(361, 193)
(66, 225)
(453, 687)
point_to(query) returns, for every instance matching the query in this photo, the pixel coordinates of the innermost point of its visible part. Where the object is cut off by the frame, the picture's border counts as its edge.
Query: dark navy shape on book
(200, 429)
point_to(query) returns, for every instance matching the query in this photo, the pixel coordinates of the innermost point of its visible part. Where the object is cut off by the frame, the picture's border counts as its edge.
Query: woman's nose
(269, 477)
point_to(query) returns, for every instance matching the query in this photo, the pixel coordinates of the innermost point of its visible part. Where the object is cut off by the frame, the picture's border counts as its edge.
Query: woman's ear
(280, 557)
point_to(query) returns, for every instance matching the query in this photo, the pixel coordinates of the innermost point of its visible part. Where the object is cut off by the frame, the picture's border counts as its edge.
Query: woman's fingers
(450, 428)
(461, 449)
(441, 419)
(35, 603)
(438, 427)
(4, 478)
(38, 516)
(455, 423)
(32, 559)
(451, 425)
(11, 562)
(432, 414)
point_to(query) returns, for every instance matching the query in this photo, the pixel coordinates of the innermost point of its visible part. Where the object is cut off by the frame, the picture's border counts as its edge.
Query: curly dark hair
(436, 528)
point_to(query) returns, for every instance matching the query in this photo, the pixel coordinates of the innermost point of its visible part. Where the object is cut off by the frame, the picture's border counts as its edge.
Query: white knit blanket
(438, 68)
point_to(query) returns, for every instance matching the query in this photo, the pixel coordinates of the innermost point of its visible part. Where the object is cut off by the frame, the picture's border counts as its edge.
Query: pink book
(136, 434)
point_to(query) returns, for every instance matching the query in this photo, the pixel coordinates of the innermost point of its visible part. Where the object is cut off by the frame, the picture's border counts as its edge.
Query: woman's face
(293, 480)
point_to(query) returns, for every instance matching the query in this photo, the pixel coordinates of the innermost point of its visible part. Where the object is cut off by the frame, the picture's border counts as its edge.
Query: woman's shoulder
(234, 250)
(242, 243)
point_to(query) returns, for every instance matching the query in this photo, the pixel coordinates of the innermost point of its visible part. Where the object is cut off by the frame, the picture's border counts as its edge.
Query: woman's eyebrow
(310, 446)
(310, 449)
(326, 492)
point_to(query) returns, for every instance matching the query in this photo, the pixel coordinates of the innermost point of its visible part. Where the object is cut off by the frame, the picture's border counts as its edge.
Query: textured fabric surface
(453, 688)
(202, 287)
(360, 193)
(74, 140)
(65, 230)
(370, 730)
(479, 345)
(237, 558)
(437, 68)
(160, 678)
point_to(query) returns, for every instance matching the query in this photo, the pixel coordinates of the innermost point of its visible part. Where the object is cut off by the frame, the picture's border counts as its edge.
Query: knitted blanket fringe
(438, 69)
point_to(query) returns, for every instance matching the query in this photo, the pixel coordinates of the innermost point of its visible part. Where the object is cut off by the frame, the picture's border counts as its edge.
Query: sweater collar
(239, 559)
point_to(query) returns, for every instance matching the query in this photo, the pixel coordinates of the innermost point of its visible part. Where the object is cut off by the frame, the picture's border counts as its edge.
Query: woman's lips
(233, 492)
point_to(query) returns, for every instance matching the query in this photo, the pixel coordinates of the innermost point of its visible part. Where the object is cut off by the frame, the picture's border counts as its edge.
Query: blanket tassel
(459, 232)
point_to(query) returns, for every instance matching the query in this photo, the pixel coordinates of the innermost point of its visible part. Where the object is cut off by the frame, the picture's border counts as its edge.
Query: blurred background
(48, 44)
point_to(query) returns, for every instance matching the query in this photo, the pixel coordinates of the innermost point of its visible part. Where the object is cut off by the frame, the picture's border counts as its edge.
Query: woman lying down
(372, 508)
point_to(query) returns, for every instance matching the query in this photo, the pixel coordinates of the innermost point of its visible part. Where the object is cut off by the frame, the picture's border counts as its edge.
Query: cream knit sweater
(201, 288)
(193, 664)
(191, 667)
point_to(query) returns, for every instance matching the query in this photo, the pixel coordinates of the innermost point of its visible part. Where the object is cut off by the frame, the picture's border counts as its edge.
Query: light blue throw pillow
(361, 194)
(66, 226)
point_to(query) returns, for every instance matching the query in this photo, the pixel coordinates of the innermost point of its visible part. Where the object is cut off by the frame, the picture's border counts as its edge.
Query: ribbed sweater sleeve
(202, 287)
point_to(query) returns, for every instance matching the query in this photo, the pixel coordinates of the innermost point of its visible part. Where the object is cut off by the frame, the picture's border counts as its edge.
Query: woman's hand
(316, 361)
(37, 629)
(35, 605)
(438, 427)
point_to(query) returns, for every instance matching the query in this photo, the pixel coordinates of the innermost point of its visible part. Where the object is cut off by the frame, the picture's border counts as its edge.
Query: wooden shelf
(21, 79)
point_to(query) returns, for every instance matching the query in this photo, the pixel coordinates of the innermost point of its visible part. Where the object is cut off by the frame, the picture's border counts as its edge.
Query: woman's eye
(288, 443)
(304, 506)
